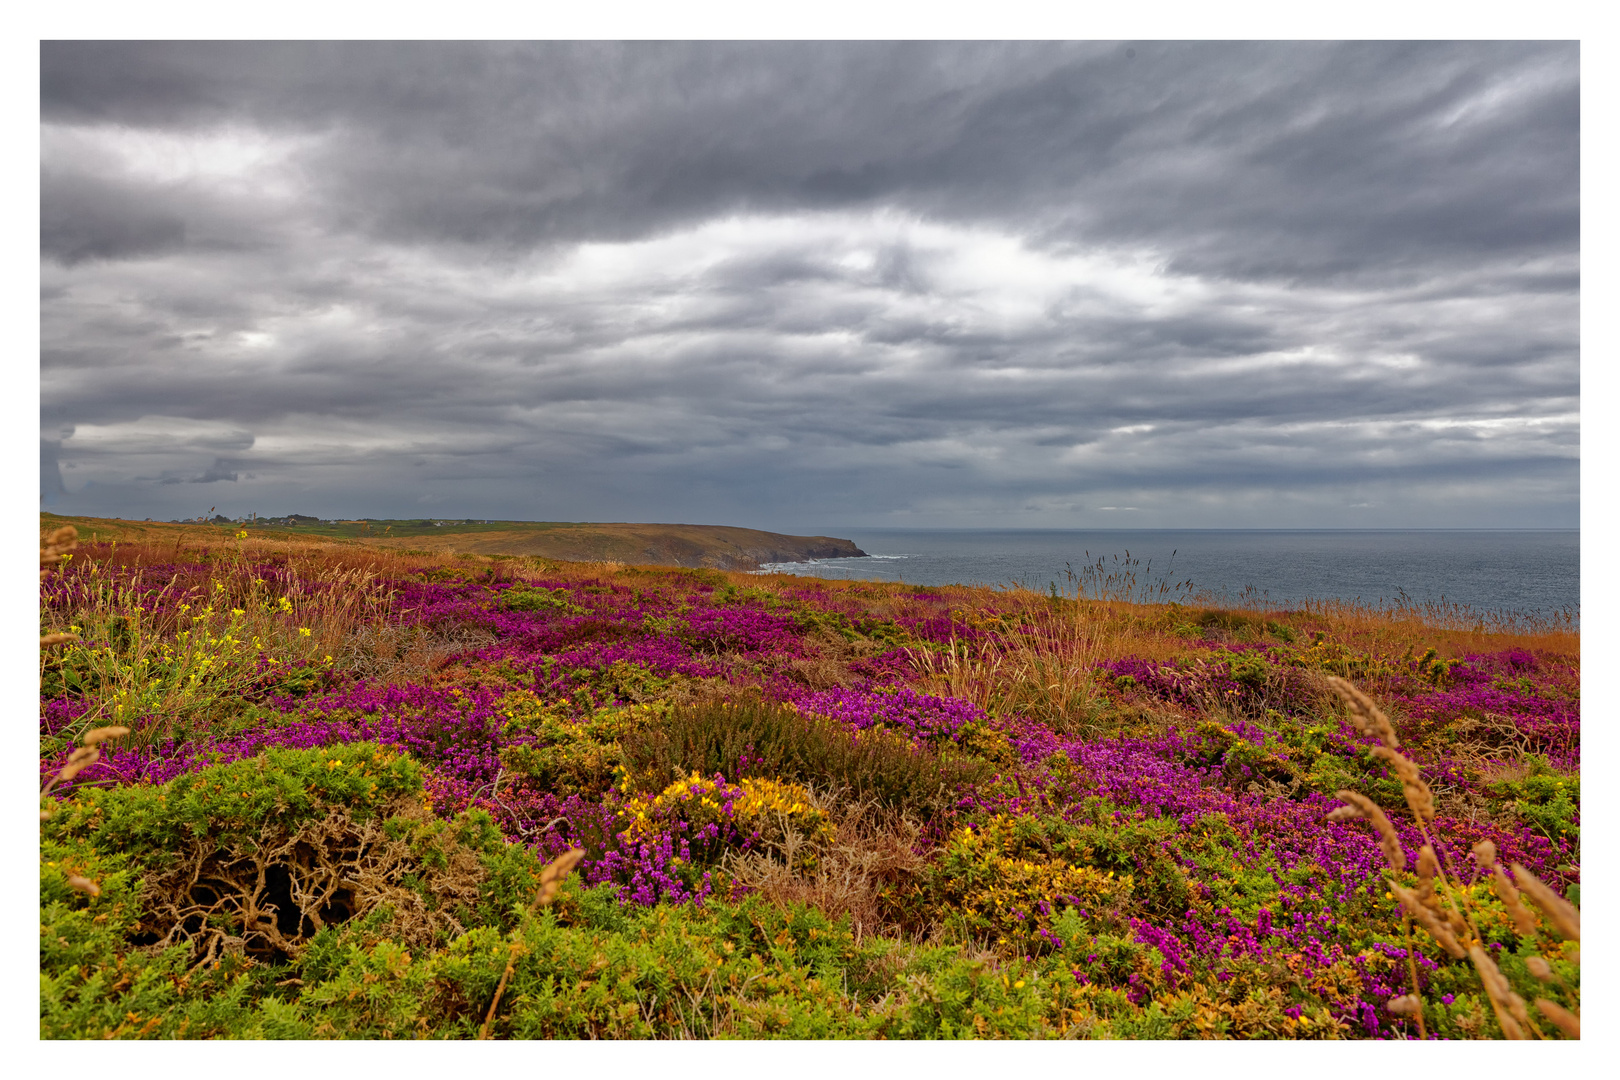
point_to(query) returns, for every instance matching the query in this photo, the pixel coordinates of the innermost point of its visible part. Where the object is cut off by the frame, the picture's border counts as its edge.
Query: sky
(798, 286)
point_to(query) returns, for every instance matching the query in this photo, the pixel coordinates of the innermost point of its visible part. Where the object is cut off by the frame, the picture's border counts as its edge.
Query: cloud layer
(794, 286)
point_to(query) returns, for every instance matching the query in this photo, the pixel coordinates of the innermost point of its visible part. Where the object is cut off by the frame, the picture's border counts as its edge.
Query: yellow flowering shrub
(758, 812)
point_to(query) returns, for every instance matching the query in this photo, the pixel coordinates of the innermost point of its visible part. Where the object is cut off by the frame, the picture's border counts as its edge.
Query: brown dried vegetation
(873, 852)
(268, 897)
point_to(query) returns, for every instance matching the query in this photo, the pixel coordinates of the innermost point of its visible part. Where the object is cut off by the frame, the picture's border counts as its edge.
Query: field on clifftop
(341, 785)
(718, 547)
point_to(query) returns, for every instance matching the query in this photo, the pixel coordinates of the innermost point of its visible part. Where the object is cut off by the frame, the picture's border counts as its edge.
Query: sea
(1518, 572)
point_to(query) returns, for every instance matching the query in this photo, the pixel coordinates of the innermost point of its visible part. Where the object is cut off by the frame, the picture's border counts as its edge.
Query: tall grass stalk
(154, 656)
(1042, 667)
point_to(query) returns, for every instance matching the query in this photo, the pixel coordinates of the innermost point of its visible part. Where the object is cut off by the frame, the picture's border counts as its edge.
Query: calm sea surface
(1521, 571)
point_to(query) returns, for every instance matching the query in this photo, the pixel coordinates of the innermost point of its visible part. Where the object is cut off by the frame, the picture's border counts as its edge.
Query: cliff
(721, 547)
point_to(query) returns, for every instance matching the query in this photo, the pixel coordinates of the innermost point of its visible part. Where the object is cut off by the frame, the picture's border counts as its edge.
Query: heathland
(296, 787)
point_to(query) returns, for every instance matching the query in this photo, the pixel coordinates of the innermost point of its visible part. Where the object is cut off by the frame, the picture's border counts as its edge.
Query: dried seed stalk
(551, 879)
(1447, 925)
(1428, 920)
(1362, 807)
(78, 761)
(82, 758)
(1412, 976)
(1427, 866)
(1418, 795)
(1509, 1007)
(60, 543)
(1523, 921)
(1367, 717)
(1566, 918)
(1569, 1023)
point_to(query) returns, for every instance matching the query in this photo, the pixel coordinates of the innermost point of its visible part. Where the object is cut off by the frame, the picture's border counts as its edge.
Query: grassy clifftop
(720, 547)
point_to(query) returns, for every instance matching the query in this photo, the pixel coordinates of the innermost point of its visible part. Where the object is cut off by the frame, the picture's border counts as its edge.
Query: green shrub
(1298, 753)
(1240, 624)
(570, 755)
(237, 800)
(1005, 881)
(536, 598)
(810, 620)
(209, 886)
(1547, 800)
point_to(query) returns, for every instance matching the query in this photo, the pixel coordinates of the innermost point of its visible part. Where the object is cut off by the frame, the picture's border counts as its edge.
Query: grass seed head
(1367, 717)
(1427, 919)
(1405, 1005)
(84, 885)
(1368, 809)
(1418, 796)
(79, 760)
(1427, 865)
(1510, 1010)
(51, 550)
(1523, 922)
(1566, 918)
(551, 878)
(1569, 1023)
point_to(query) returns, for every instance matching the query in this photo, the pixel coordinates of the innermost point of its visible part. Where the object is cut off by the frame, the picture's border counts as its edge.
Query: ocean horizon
(1503, 571)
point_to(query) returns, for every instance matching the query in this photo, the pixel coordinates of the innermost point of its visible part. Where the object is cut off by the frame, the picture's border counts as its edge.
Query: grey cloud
(1329, 253)
(86, 218)
(1325, 159)
(219, 470)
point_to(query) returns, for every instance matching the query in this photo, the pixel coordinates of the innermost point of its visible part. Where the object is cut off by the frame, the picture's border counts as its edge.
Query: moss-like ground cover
(810, 809)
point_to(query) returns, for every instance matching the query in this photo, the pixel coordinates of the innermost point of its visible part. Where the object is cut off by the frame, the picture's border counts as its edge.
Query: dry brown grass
(182, 642)
(1452, 630)
(873, 851)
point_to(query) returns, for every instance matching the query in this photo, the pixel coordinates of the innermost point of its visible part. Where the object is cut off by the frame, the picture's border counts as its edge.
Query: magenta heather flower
(899, 709)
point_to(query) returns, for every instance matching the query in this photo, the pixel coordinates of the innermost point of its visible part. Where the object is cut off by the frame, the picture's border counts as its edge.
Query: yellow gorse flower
(754, 802)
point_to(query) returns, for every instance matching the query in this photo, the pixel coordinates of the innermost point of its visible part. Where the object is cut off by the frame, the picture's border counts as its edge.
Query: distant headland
(719, 547)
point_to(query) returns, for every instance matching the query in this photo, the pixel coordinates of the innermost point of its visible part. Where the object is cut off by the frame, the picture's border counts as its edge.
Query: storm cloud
(797, 286)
